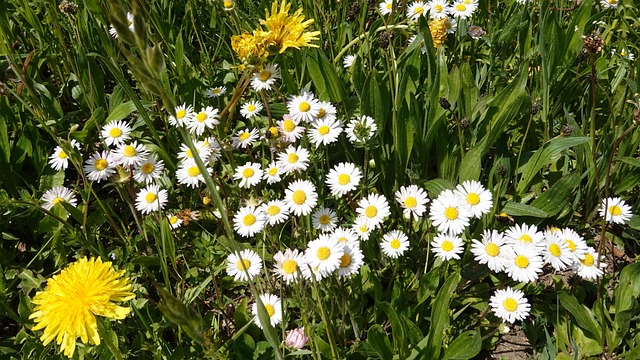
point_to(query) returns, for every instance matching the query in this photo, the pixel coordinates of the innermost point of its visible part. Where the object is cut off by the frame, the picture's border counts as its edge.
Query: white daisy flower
(174, 221)
(301, 197)
(447, 247)
(99, 166)
(275, 211)
(304, 107)
(247, 260)
(274, 309)
(130, 154)
(324, 253)
(394, 243)
(556, 251)
(374, 208)
(186, 155)
(206, 118)
(57, 195)
(289, 129)
(244, 138)
(272, 173)
(251, 108)
(116, 133)
(343, 178)
(312, 273)
(361, 229)
(348, 61)
(286, 264)
(249, 221)
(324, 131)
(448, 214)
(416, 9)
(361, 129)
(451, 25)
(509, 305)
(385, 7)
(190, 175)
(249, 174)
(324, 219)
(616, 211)
(184, 114)
(461, 10)
(59, 160)
(265, 78)
(114, 33)
(439, 9)
(150, 199)
(149, 170)
(525, 234)
(587, 267)
(423, 45)
(523, 262)
(474, 196)
(212, 146)
(576, 243)
(350, 261)
(327, 111)
(215, 92)
(490, 250)
(609, 4)
(293, 159)
(413, 200)
(346, 237)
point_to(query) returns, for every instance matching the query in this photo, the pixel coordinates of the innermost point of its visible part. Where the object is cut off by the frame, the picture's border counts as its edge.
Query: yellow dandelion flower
(68, 306)
(285, 31)
(250, 48)
(438, 30)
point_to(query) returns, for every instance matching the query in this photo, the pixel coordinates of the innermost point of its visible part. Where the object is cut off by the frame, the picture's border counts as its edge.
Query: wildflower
(296, 338)
(509, 305)
(438, 9)
(394, 243)
(617, 211)
(324, 219)
(327, 112)
(475, 32)
(57, 195)
(609, 4)
(186, 155)
(99, 166)
(244, 265)
(249, 174)
(423, 46)
(304, 107)
(116, 132)
(523, 262)
(59, 160)
(285, 31)
(348, 61)
(475, 197)
(450, 26)
(385, 7)
(244, 138)
(289, 129)
(275, 211)
(228, 5)
(207, 117)
(447, 247)
(265, 78)
(272, 173)
(461, 10)
(114, 32)
(361, 228)
(149, 170)
(350, 261)
(439, 30)
(490, 250)
(250, 109)
(324, 253)
(346, 237)
(588, 267)
(324, 131)
(413, 200)
(301, 197)
(190, 175)
(183, 115)
(130, 154)
(575, 242)
(524, 234)
(448, 214)
(556, 252)
(374, 208)
(68, 306)
(416, 9)
(361, 129)
(287, 264)
(215, 92)
(151, 198)
(273, 307)
(174, 221)
(249, 221)
(293, 159)
(343, 178)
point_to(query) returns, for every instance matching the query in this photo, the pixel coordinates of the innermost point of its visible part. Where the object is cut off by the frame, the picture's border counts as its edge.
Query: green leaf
(556, 198)
(324, 77)
(399, 331)
(379, 341)
(518, 209)
(466, 346)
(121, 111)
(180, 314)
(582, 316)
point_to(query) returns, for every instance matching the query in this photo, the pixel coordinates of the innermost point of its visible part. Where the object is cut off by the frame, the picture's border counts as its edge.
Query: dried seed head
(444, 103)
(567, 130)
(502, 170)
(464, 123)
(592, 43)
(68, 7)
(535, 108)
(385, 38)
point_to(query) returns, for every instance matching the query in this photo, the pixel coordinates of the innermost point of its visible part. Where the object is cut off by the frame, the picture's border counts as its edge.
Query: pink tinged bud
(296, 338)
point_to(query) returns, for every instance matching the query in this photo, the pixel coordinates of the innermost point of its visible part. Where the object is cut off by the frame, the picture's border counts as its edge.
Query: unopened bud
(296, 338)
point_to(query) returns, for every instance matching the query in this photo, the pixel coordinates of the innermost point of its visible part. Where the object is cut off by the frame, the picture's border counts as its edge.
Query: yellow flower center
(244, 136)
(228, 4)
(371, 211)
(419, 10)
(189, 153)
(572, 245)
(461, 7)
(289, 266)
(251, 108)
(492, 249)
(324, 219)
(62, 154)
(363, 229)
(522, 261)
(304, 106)
(389, 6)
(270, 309)
(612, 2)
(100, 164)
(150, 198)
(299, 197)
(129, 151)
(201, 117)
(345, 260)
(288, 125)
(206, 200)
(554, 249)
(274, 131)
(181, 113)
(525, 238)
(438, 7)
(173, 220)
(273, 210)
(147, 168)
(323, 112)
(451, 213)
(57, 200)
(115, 132)
(245, 262)
(615, 210)
(554, 229)
(249, 219)
(343, 179)
(248, 172)
(323, 130)
(395, 244)
(193, 171)
(265, 75)
(273, 171)
(510, 304)
(473, 199)
(343, 239)
(588, 260)
(216, 91)
(324, 253)
(292, 158)
(447, 245)
(410, 202)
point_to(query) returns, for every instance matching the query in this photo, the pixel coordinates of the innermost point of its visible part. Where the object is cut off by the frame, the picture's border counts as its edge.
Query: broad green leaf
(518, 209)
(180, 314)
(121, 111)
(581, 315)
(323, 75)
(466, 346)
(556, 197)
(400, 341)
(379, 341)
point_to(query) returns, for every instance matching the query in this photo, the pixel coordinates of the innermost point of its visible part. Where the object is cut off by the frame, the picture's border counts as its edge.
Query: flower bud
(296, 338)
